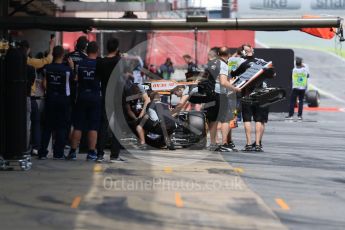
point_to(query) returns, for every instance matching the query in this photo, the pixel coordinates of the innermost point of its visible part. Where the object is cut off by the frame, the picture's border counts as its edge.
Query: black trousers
(57, 115)
(300, 94)
(103, 135)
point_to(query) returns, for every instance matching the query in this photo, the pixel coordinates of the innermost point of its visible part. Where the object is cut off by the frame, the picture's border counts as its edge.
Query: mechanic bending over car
(135, 102)
(184, 92)
(220, 111)
(158, 119)
(259, 114)
(300, 75)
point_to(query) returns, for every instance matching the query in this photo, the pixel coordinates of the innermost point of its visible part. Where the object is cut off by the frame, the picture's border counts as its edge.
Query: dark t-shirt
(87, 81)
(104, 68)
(211, 73)
(77, 56)
(192, 67)
(57, 76)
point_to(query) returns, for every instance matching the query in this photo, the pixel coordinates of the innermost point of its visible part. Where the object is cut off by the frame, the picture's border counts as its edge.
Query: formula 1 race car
(190, 131)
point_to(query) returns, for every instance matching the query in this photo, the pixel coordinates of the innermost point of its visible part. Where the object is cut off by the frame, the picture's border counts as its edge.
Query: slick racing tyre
(196, 125)
(313, 98)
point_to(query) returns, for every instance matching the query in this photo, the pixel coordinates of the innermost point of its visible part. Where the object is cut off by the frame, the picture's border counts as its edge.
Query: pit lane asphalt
(303, 165)
(304, 162)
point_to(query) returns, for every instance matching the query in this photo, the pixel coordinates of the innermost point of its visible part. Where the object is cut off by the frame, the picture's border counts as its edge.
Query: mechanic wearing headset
(259, 114)
(219, 112)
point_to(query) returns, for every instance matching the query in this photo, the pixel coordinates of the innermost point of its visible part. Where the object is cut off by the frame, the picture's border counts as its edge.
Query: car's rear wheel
(313, 98)
(196, 123)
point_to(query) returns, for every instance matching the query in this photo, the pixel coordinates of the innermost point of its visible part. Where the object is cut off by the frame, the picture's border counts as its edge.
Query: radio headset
(244, 52)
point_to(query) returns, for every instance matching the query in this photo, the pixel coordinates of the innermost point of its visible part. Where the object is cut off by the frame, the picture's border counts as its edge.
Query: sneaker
(231, 146)
(212, 147)
(289, 118)
(258, 148)
(72, 156)
(223, 148)
(117, 160)
(299, 118)
(100, 159)
(91, 156)
(42, 158)
(248, 148)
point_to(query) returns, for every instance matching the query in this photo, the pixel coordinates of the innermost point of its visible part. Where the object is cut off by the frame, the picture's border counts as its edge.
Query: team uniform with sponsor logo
(77, 56)
(220, 110)
(57, 110)
(87, 114)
